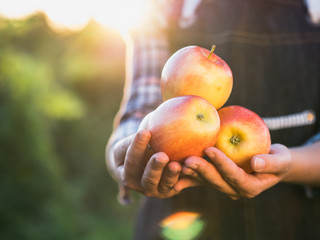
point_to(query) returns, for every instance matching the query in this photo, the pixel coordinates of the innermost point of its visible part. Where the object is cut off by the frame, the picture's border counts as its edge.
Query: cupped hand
(223, 174)
(138, 168)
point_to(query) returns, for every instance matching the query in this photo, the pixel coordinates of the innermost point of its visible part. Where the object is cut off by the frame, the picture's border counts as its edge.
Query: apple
(182, 126)
(194, 70)
(243, 134)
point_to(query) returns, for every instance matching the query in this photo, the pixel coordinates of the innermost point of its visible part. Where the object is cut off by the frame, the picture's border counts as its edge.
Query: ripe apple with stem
(194, 70)
(243, 134)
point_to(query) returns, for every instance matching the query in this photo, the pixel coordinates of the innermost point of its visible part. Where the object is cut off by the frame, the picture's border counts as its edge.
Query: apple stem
(212, 50)
(235, 140)
(200, 116)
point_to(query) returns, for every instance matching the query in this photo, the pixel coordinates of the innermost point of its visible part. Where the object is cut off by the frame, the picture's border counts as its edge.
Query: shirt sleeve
(313, 8)
(147, 52)
(313, 139)
(312, 192)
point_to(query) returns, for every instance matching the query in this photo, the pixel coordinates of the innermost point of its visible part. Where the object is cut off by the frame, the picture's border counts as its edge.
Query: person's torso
(274, 54)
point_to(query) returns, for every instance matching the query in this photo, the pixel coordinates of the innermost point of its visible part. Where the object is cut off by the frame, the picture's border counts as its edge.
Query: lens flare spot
(182, 225)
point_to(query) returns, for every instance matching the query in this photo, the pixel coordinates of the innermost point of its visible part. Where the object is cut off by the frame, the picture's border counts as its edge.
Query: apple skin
(182, 126)
(194, 70)
(243, 134)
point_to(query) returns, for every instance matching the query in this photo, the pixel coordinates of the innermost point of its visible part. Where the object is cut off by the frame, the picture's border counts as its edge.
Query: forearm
(305, 167)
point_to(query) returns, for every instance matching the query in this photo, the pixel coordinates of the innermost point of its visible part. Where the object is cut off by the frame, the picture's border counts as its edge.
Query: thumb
(258, 163)
(275, 162)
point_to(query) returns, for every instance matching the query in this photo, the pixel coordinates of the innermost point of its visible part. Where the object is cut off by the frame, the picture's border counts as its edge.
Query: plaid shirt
(146, 57)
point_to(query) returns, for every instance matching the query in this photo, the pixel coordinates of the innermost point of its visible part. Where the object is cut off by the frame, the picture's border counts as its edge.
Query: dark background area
(59, 93)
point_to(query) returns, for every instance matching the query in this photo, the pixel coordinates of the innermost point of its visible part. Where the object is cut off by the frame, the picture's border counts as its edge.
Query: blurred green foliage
(59, 92)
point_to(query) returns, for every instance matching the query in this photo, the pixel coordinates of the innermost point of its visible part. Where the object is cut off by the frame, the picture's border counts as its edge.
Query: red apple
(243, 134)
(182, 126)
(195, 70)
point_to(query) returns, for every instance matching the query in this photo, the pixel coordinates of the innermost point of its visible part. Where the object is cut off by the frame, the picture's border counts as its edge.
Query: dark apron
(274, 54)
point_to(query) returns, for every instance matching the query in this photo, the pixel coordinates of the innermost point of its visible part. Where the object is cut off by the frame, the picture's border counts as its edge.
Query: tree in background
(57, 100)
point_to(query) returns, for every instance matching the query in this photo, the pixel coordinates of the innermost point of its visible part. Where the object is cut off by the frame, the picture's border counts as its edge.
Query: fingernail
(174, 168)
(160, 161)
(209, 153)
(191, 165)
(259, 164)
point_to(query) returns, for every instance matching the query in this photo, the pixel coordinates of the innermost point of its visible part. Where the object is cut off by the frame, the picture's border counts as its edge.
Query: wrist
(289, 175)
(305, 165)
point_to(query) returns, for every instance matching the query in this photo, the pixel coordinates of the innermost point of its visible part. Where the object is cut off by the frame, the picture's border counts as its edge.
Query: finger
(124, 197)
(189, 172)
(153, 171)
(233, 175)
(244, 184)
(120, 150)
(278, 161)
(169, 177)
(134, 160)
(208, 171)
(186, 182)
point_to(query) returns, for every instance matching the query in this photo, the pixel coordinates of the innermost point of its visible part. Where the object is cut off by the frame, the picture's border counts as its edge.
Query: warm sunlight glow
(74, 14)
(120, 14)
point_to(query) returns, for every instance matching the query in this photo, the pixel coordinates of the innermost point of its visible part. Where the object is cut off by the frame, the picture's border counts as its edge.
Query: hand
(224, 175)
(137, 167)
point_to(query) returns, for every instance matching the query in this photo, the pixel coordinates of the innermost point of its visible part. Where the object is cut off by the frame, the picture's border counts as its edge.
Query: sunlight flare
(121, 15)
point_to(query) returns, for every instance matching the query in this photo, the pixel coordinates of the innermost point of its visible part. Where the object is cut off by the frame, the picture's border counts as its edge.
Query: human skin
(155, 176)
(299, 165)
(133, 167)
